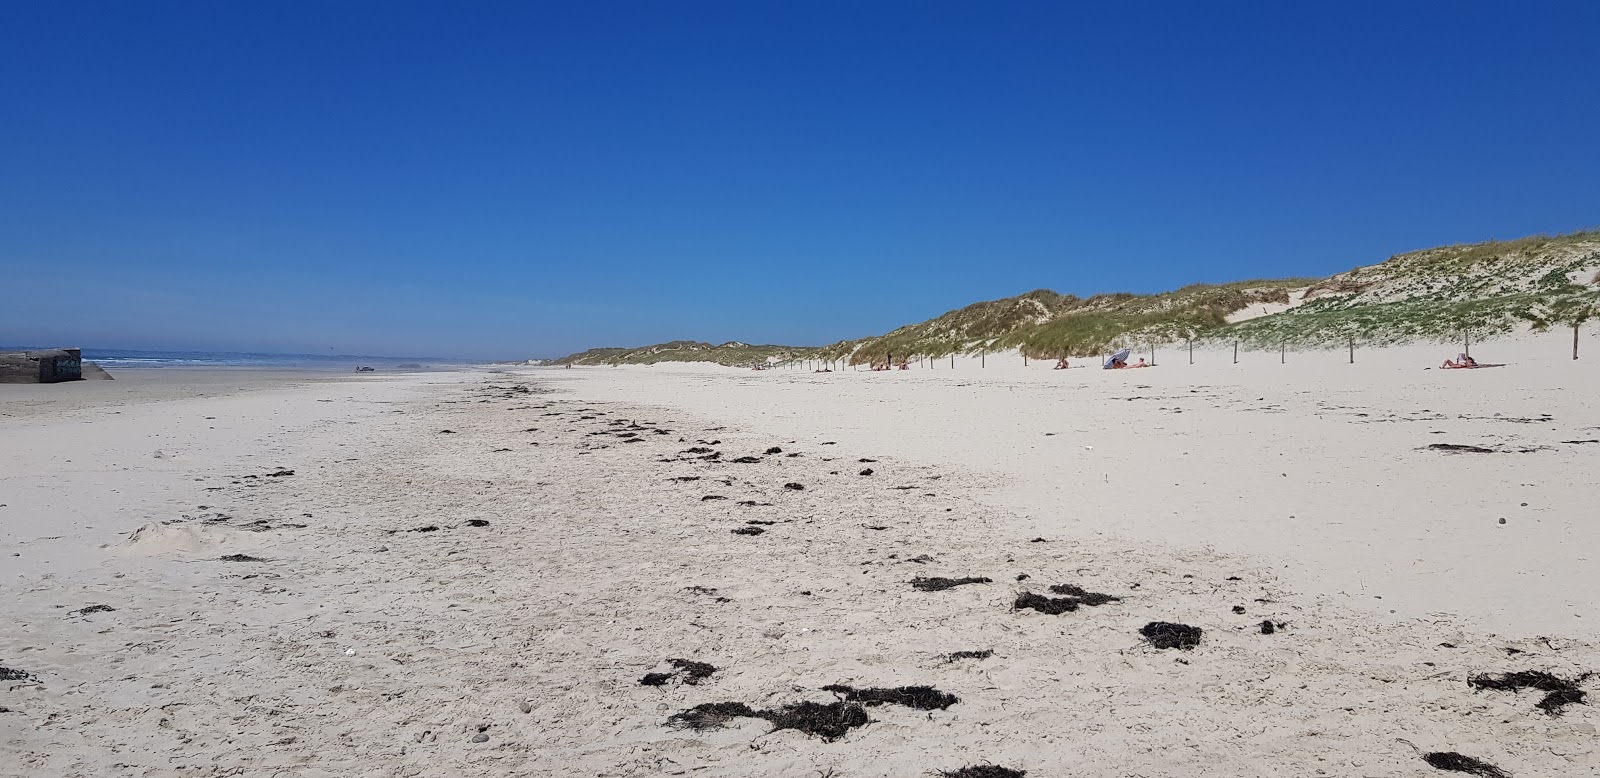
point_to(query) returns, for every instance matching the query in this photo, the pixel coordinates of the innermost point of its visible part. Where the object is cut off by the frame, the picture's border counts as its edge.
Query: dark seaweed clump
(1459, 448)
(1092, 599)
(829, 721)
(747, 460)
(693, 672)
(958, 655)
(477, 523)
(918, 697)
(1267, 628)
(1053, 606)
(711, 715)
(1165, 634)
(984, 771)
(747, 530)
(1561, 692)
(1461, 763)
(13, 674)
(241, 558)
(94, 609)
(941, 584)
(793, 486)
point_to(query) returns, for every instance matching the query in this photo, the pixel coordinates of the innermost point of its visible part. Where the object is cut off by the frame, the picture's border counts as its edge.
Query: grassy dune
(1436, 294)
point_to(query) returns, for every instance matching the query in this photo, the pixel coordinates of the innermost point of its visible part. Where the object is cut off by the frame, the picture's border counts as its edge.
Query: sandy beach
(472, 573)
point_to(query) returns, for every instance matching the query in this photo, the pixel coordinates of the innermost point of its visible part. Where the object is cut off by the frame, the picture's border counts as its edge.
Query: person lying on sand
(1122, 364)
(1061, 364)
(1462, 361)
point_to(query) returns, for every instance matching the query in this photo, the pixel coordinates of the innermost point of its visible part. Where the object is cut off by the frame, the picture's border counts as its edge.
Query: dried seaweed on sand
(1461, 763)
(941, 584)
(983, 771)
(1561, 692)
(1084, 597)
(958, 655)
(918, 697)
(1166, 634)
(693, 672)
(1053, 606)
(830, 721)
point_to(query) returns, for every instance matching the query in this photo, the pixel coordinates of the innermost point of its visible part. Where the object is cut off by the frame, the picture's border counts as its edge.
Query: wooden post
(1469, 343)
(952, 361)
(1575, 340)
(1352, 350)
(1283, 352)
(1191, 351)
(983, 358)
(1236, 352)
(1024, 359)
(1152, 355)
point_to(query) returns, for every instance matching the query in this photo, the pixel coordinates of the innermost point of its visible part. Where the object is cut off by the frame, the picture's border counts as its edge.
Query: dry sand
(485, 601)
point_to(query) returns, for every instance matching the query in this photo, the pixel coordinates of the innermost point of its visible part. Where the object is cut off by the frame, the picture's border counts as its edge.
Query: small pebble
(1502, 520)
(481, 737)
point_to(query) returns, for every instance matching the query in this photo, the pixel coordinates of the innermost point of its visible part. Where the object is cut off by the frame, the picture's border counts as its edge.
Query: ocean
(123, 359)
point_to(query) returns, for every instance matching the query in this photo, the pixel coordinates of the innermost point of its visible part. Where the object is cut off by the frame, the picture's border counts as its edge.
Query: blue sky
(527, 179)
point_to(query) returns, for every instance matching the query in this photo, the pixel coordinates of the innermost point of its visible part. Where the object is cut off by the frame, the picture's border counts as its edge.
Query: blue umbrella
(1120, 356)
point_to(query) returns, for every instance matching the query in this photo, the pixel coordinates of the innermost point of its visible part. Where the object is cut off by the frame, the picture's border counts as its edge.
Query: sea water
(123, 359)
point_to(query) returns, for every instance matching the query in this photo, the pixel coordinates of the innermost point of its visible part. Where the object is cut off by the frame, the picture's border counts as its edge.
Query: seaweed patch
(1461, 763)
(1560, 692)
(1166, 634)
(829, 721)
(941, 584)
(983, 771)
(1053, 606)
(917, 697)
(1084, 597)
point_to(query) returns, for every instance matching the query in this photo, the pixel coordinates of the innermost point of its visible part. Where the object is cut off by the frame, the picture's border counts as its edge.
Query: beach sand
(470, 573)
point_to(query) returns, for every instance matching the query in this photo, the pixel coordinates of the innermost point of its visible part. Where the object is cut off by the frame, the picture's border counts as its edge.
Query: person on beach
(1117, 364)
(1061, 364)
(1462, 361)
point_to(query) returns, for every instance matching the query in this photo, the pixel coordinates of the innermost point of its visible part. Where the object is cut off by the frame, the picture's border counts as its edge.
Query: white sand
(357, 649)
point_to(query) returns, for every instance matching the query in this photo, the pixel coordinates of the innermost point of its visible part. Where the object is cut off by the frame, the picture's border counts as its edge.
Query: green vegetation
(1432, 295)
(732, 354)
(1043, 324)
(1438, 294)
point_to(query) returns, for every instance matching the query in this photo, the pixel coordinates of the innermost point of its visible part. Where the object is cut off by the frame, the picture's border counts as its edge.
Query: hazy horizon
(498, 183)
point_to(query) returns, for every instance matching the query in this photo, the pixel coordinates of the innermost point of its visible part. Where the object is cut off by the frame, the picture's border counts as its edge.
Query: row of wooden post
(1283, 354)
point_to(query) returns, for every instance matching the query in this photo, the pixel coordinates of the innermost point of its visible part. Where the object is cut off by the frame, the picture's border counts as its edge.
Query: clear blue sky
(526, 179)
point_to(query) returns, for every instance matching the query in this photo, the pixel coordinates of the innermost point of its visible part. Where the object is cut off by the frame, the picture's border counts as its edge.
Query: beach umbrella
(1120, 356)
